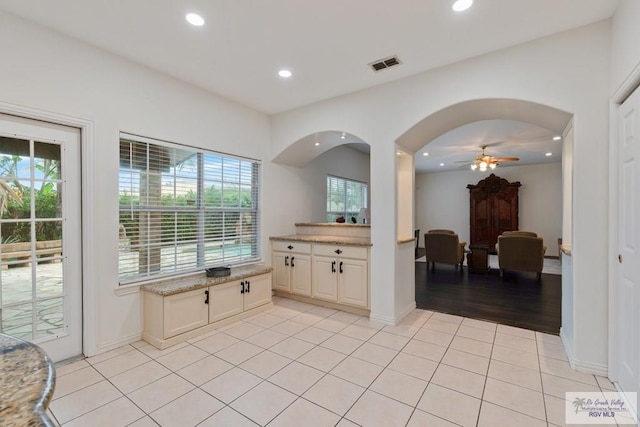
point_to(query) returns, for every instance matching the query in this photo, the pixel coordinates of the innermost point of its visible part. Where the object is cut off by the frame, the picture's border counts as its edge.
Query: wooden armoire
(494, 209)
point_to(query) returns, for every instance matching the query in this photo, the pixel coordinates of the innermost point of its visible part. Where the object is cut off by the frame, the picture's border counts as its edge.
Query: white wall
(625, 49)
(568, 71)
(442, 200)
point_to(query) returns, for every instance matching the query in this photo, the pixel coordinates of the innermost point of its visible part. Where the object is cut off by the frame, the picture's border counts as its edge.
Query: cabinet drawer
(299, 247)
(357, 252)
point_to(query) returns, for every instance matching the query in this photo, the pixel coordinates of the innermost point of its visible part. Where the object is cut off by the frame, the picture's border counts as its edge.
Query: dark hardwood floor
(517, 299)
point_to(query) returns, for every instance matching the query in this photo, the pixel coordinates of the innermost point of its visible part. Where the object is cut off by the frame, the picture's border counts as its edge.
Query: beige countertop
(176, 286)
(331, 224)
(27, 380)
(330, 240)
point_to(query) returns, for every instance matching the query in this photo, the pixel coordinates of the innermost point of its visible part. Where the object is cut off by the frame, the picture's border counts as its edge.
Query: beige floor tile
(334, 394)
(144, 422)
(468, 361)
(188, 410)
(289, 327)
(230, 385)
(476, 334)
(263, 402)
(555, 408)
(557, 386)
(244, 330)
(296, 377)
(182, 357)
(304, 413)
(552, 339)
(451, 405)
(266, 338)
(357, 371)
(216, 343)
(83, 401)
(343, 316)
(555, 351)
(342, 344)
(265, 364)
(231, 325)
(323, 311)
(373, 409)
(76, 380)
(605, 384)
(413, 365)
(332, 325)
(204, 370)
(516, 398)
(422, 419)
(425, 350)
(392, 341)
(496, 416)
(286, 313)
(292, 348)
(561, 368)
(346, 423)
(139, 376)
(322, 358)
(358, 332)
(402, 330)
(314, 335)
(109, 354)
(160, 392)
(447, 318)
(515, 375)
(519, 332)
(203, 336)
(154, 353)
(398, 386)
(459, 380)
(121, 363)
(265, 320)
(52, 418)
(368, 323)
(518, 343)
(308, 318)
(433, 337)
(120, 412)
(227, 417)
(375, 354)
(67, 368)
(413, 320)
(480, 324)
(515, 357)
(472, 346)
(436, 324)
(239, 352)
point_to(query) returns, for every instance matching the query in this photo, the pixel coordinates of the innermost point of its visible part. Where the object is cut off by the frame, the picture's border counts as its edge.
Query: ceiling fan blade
(464, 161)
(506, 159)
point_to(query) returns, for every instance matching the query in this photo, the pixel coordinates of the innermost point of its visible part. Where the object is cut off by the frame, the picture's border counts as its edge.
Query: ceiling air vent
(381, 64)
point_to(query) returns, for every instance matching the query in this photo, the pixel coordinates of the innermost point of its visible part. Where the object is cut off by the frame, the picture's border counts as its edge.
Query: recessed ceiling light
(317, 143)
(398, 153)
(461, 5)
(549, 154)
(285, 74)
(195, 19)
(557, 138)
(441, 164)
(425, 154)
(343, 136)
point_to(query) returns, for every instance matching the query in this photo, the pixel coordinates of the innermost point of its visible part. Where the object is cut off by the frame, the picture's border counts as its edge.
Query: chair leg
(501, 272)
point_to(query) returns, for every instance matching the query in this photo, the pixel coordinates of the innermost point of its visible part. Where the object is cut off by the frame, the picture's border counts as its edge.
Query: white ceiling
(326, 44)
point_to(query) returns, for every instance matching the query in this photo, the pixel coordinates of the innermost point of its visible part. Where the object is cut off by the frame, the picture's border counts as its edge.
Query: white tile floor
(303, 365)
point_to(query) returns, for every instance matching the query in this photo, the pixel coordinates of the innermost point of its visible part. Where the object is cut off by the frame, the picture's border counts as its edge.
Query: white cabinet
(292, 267)
(325, 281)
(184, 312)
(257, 291)
(235, 297)
(341, 274)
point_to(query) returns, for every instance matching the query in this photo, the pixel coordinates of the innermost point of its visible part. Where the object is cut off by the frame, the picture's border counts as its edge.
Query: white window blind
(345, 198)
(183, 209)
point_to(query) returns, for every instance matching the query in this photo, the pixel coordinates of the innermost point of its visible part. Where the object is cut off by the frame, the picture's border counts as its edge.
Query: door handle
(286, 261)
(341, 267)
(333, 267)
(242, 287)
(292, 258)
(248, 286)
(206, 297)
(619, 258)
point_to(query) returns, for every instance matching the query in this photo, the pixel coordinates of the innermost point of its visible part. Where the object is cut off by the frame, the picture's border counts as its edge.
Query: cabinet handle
(286, 261)
(289, 247)
(248, 286)
(338, 251)
(206, 297)
(341, 266)
(292, 258)
(242, 289)
(333, 267)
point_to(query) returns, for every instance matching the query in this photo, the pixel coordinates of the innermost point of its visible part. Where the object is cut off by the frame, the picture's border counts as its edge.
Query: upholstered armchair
(444, 246)
(522, 251)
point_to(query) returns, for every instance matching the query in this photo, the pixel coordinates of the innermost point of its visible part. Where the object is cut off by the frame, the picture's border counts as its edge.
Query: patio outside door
(40, 235)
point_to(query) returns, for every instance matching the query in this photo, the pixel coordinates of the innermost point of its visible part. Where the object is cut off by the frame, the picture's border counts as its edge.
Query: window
(345, 198)
(183, 209)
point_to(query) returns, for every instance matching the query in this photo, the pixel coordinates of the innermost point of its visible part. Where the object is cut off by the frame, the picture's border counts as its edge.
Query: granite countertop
(331, 224)
(27, 380)
(176, 286)
(331, 240)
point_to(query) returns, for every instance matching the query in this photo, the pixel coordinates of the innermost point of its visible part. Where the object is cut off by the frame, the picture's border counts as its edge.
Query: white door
(40, 232)
(353, 282)
(301, 274)
(324, 283)
(628, 284)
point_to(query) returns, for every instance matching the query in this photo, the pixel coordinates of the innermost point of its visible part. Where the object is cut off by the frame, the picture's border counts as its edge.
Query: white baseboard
(581, 365)
(119, 343)
(408, 309)
(389, 320)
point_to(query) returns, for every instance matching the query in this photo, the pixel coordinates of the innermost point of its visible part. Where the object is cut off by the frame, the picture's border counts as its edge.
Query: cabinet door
(184, 312)
(225, 300)
(281, 271)
(353, 282)
(324, 282)
(301, 274)
(257, 291)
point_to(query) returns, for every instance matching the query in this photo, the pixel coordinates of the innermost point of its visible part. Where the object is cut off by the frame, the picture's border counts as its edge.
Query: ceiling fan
(483, 161)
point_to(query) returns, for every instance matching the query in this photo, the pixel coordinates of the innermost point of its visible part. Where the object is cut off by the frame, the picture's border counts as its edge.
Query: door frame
(88, 215)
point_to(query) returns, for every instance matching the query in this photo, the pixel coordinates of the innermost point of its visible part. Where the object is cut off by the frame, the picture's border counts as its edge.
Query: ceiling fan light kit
(484, 162)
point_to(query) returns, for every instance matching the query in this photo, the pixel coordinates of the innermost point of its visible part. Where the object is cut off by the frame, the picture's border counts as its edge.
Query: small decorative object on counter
(218, 271)
(340, 219)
